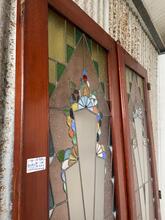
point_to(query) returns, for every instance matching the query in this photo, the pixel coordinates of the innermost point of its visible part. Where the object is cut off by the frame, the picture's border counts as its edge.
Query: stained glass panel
(140, 146)
(81, 182)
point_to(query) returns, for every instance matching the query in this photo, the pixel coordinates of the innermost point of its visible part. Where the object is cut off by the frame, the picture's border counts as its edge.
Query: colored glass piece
(85, 78)
(51, 145)
(70, 34)
(96, 65)
(56, 36)
(73, 125)
(60, 70)
(51, 88)
(74, 140)
(67, 154)
(69, 120)
(71, 133)
(71, 113)
(70, 51)
(78, 35)
(85, 72)
(60, 155)
(89, 42)
(51, 198)
(75, 107)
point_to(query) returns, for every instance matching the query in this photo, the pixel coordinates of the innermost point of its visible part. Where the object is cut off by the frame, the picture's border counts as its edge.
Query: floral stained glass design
(140, 147)
(81, 183)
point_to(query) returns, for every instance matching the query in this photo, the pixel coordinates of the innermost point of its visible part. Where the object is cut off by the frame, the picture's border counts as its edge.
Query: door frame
(124, 59)
(30, 191)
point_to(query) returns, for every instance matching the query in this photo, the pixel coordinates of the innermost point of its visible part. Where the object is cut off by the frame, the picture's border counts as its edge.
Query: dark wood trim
(33, 76)
(126, 60)
(117, 137)
(126, 133)
(152, 150)
(32, 104)
(17, 169)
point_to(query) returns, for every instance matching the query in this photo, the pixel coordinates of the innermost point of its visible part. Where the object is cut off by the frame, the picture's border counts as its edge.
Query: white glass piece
(99, 189)
(86, 126)
(75, 199)
(147, 196)
(139, 136)
(142, 202)
(138, 168)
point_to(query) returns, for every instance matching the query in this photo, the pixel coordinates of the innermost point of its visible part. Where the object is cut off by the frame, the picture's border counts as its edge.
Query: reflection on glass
(140, 146)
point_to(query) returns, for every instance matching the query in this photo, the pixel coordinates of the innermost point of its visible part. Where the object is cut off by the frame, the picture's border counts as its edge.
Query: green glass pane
(51, 145)
(96, 67)
(60, 155)
(89, 42)
(70, 51)
(51, 88)
(60, 70)
(51, 198)
(74, 140)
(78, 35)
(102, 86)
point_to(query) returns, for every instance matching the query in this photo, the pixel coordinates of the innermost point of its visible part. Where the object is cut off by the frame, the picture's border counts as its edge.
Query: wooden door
(138, 138)
(36, 127)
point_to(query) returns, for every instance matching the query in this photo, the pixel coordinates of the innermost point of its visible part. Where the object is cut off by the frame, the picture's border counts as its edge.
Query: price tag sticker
(35, 164)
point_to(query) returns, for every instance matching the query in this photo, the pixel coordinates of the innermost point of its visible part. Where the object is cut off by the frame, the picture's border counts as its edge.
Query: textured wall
(121, 21)
(7, 88)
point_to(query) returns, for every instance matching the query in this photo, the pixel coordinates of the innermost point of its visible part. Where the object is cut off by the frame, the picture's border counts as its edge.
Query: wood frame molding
(30, 195)
(124, 59)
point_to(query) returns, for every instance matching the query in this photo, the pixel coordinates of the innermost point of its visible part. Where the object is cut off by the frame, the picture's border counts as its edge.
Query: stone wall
(7, 96)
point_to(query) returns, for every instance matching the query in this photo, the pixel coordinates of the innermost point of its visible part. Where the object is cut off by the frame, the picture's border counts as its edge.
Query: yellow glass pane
(70, 34)
(52, 72)
(56, 38)
(128, 80)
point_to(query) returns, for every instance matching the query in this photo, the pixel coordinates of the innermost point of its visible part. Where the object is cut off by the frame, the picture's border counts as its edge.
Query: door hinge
(149, 86)
(160, 194)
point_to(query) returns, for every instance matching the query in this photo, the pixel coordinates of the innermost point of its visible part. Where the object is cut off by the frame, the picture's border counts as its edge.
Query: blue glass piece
(63, 176)
(98, 117)
(67, 154)
(104, 155)
(73, 125)
(84, 72)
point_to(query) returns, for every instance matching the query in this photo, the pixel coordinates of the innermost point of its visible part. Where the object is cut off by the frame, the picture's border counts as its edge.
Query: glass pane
(81, 182)
(140, 146)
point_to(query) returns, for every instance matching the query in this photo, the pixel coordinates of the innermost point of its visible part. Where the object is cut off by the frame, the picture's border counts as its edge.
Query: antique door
(67, 109)
(139, 145)
(81, 184)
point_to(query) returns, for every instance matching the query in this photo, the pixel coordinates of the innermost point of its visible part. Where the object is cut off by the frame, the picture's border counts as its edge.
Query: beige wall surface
(122, 22)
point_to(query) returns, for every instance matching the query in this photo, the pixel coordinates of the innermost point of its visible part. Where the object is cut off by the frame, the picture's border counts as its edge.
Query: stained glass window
(140, 147)
(81, 183)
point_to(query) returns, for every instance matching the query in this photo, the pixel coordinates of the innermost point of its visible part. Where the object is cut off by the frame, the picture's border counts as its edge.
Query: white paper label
(36, 164)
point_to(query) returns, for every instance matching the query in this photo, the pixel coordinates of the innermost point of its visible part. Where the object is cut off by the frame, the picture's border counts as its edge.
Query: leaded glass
(81, 183)
(140, 146)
